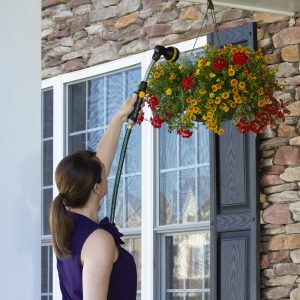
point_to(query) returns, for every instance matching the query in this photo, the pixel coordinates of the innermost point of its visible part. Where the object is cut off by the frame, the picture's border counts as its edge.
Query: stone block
(284, 197)
(295, 294)
(292, 81)
(294, 109)
(109, 51)
(287, 269)
(131, 33)
(49, 3)
(274, 57)
(295, 209)
(287, 130)
(287, 155)
(276, 27)
(267, 153)
(236, 23)
(273, 143)
(190, 13)
(166, 16)
(75, 3)
(277, 292)
(62, 15)
(270, 180)
(80, 22)
(277, 242)
(59, 51)
(158, 30)
(66, 42)
(287, 69)
(264, 262)
(47, 32)
(230, 14)
(282, 280)
(291, 174)
(287, 36)
(103, 13)
(47, 23)
(145, 14)
(74, 65)
(128, 6)
(127, 20)
(295, 255)
(94, 29)
(265, 44)
(151, 3)
(290, 53)
(266, 18)
(281, 188)
(136, 46)
(274, 169)
(292, 228)
(295, 141)
(277, 214)
(51, 72)
(279, 256)
(106, 3)
(82, 9)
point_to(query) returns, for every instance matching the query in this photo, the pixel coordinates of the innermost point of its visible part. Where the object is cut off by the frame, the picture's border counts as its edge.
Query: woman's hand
(126, 108)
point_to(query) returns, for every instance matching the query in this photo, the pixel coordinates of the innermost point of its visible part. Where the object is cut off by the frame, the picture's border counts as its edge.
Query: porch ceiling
(288, 7)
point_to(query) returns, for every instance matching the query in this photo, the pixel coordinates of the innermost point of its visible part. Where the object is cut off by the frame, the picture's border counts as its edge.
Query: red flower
(239, 58)
(219, 64)
(140, 119)
(152, 102)
(184, 133)
(188, 82)
(156, 121)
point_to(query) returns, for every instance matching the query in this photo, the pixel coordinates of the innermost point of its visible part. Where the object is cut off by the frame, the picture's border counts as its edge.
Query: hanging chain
(211, 7)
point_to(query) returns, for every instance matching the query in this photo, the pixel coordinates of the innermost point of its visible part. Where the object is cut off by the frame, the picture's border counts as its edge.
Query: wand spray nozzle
(170, 53)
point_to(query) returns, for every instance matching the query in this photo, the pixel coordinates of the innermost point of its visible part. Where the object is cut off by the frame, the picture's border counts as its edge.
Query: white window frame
(148, 143)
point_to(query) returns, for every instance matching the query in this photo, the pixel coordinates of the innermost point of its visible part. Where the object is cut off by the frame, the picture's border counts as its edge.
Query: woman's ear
(98, 188)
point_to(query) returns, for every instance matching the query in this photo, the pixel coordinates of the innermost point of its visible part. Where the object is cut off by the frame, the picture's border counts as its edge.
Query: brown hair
(75, 177)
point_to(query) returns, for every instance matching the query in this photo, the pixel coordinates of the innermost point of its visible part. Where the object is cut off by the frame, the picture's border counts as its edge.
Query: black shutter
(234, 200)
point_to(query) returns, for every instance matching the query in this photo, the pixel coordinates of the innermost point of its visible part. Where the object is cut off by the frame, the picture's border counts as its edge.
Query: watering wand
(170, 54)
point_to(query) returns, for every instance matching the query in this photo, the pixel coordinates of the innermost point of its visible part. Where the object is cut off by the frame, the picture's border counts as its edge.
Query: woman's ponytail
(62, 226)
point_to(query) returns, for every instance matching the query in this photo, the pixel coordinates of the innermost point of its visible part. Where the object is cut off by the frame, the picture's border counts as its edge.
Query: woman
(91, 263)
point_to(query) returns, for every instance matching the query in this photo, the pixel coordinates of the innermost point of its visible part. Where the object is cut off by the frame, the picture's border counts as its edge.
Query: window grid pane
(91, 105)
(46, 192)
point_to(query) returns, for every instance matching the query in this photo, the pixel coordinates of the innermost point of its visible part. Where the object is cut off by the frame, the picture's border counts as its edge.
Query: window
(91, 104)
(46, 192)
(183, 208)
(165, 179)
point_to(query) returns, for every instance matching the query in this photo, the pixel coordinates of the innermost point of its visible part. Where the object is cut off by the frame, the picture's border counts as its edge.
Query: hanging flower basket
(224, 84)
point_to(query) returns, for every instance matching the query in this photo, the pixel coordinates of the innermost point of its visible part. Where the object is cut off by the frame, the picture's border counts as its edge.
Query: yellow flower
(193, 102)
(235, 90)
(220, 131)
(219, 85)
(213, 109)
(218, 100)
(202, 91)
(219, 51)
(236, 97)
(214, 88)
(212, 75)
(242, 85)
(161, 72)
(211, 95)
(218, 80)
(261, 103)
(210, 101)
(204, 118)
(196, 109)
(224, 107)
(233, 105)
(180, 67)
(158, 65)
(172, 76)
(169, 92)
(209, 115)
(156, 75)
(208, 64)
(260, 91)
(231, 72)
(233, 82)
(197, 72)
(225, 95)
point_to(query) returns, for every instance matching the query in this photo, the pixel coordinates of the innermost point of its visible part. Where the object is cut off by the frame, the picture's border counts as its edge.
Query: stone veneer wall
(77, 34)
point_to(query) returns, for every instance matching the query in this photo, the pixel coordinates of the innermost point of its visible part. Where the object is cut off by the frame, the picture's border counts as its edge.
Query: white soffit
(287, 7)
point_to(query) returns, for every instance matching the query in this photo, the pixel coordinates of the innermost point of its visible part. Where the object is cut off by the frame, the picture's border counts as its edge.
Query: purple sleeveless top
(123, 279)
